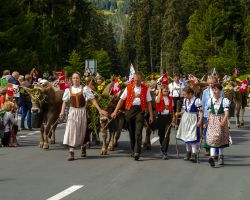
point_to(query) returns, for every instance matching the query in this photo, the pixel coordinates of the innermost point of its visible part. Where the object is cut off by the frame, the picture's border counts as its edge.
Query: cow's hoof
(103, 152)
(83, 151)
(238, 126)
(242, 124)
(115, 144)
(88, 145)
(40, 145)
(45, 146)
(111, 148)
(52, 141)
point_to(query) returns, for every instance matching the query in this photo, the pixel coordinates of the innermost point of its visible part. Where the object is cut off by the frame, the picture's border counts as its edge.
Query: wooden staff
(178, 109)
(52, 126)
(111, 120)
(165, 136)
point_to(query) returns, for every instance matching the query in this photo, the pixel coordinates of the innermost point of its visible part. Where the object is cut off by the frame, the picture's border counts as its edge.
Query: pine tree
(214, 28)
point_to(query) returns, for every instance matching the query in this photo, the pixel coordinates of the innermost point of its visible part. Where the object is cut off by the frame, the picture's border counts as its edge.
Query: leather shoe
(211, 162)
(136, 156)
(165, 157)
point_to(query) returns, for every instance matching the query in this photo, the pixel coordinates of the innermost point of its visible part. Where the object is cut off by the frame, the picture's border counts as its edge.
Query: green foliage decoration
(104, 101)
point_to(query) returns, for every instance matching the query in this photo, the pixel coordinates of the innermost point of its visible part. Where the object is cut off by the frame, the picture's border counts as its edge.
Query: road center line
(33, 133)
(66, 192)
(154, 139)
(22, 136)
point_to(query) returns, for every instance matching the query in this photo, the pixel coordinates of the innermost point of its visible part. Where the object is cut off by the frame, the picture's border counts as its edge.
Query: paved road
(30, 173)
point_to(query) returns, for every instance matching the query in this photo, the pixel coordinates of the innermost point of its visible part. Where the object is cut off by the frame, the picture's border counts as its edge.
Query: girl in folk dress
(217, 126)
(76, 125)
(191, 121)
(164, 107)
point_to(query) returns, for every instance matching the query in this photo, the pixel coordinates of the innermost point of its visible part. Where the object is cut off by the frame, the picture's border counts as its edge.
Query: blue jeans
(26, 111)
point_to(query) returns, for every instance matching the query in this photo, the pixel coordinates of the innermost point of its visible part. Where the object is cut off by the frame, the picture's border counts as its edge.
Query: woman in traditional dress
(76, 125)
(191, 121)
(164, 107)
(217, 125)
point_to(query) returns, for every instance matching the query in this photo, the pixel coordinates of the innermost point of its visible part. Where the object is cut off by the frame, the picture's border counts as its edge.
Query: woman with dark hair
(76, 125)
(191, 121)
(217, 125)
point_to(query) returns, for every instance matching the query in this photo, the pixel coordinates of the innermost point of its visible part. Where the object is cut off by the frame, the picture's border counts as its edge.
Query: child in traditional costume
(191, 121)
(10, 125)
(218, 135)
(164, 107)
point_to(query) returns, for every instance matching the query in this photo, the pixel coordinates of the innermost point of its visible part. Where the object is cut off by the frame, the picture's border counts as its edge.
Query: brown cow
(115, 126)
(238, 100)
(48, 102)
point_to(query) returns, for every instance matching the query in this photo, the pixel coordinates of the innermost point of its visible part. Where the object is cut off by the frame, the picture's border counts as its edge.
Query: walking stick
(176, 144)
(52, 127)
(164, 142)
(201, 140)
(178, 108)
(111, 120)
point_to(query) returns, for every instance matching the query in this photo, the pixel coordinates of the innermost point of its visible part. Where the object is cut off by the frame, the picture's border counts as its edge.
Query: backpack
(2, 125)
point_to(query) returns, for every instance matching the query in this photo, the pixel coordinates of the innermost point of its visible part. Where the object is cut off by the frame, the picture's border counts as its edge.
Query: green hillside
(116, 12)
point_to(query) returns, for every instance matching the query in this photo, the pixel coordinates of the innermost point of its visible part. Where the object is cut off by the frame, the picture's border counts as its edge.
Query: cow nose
(35, 110)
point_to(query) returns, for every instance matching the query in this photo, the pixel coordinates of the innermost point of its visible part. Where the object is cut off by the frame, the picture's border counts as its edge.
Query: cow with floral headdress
(236, 91)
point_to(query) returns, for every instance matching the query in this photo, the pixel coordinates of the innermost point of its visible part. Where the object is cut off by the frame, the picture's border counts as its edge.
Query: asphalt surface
(30, 173)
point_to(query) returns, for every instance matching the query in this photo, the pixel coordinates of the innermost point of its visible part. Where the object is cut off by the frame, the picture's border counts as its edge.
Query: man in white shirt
(137, 99)
(176, 91)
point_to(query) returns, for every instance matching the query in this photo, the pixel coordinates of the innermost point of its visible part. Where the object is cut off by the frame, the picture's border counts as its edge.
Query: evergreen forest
(192, 36)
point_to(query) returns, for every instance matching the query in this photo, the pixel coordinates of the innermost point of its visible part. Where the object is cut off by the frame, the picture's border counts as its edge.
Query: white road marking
(240, 130)
(62, 124)
(33, 133)
(66, 192)
(154, 139)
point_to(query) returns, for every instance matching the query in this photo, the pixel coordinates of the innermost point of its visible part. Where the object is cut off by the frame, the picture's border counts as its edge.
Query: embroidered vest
(77, 100)
(220, 111)
(193, 108)
(131, 96)
(160, 107)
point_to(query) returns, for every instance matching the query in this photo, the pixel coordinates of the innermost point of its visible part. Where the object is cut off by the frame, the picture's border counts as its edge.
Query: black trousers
(135, 119)
(6, 139)
(164, 122)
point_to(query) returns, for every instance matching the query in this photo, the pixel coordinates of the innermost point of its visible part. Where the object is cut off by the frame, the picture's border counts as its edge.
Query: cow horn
(28, 90)
(203, 78)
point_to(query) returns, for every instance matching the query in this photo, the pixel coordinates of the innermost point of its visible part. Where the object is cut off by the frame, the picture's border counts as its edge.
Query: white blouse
(217, 103)
(137, 100)
(166, 102)
(88, 95)
(189, 103)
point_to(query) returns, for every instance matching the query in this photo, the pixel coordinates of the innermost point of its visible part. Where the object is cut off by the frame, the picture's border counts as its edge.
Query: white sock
(188, 147)
(71, 149)
(194, 148)
(221, 151)
(212, 151)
